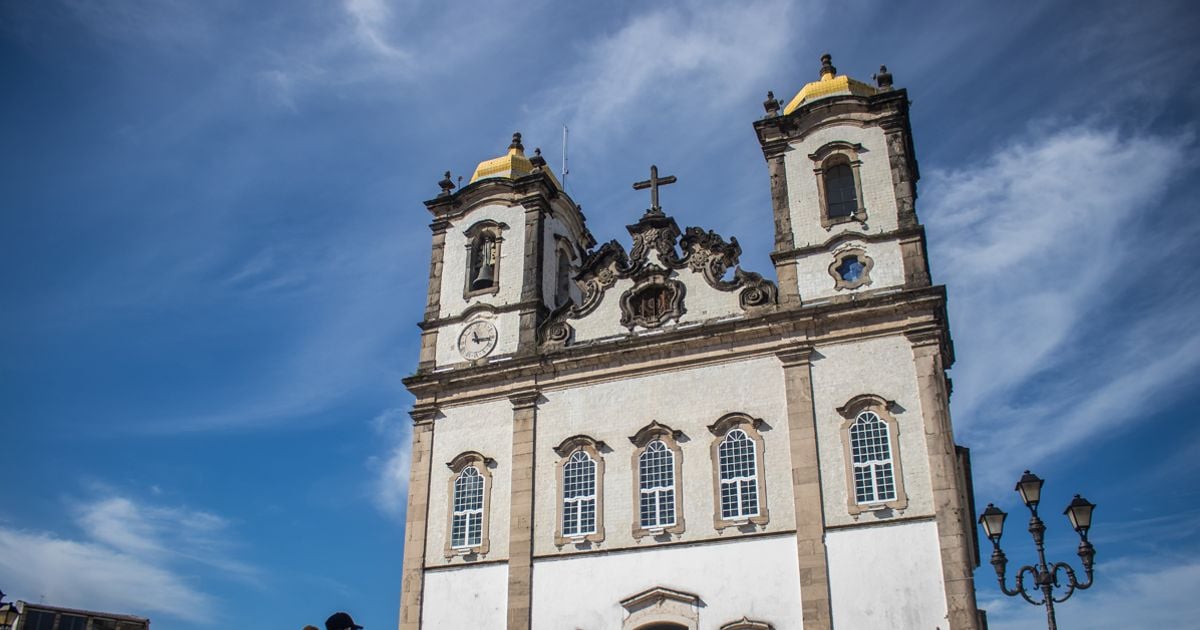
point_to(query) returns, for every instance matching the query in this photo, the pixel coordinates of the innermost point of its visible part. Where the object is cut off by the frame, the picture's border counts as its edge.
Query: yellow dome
(830, 84)
(511, 165)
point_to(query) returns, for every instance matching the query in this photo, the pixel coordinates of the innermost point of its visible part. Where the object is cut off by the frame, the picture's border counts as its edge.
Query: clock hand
(475, 336)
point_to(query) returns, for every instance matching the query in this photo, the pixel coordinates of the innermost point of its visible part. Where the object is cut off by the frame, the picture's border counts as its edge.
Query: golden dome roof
(830, 84)
(512, 165)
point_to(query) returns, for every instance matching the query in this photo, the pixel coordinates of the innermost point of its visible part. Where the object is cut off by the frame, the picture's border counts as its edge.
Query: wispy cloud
(1043, 247)
(132, 557)
(389, 489)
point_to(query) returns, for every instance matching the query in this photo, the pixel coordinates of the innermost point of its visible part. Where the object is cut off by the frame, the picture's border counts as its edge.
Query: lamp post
(1045, 575)
(8, 613)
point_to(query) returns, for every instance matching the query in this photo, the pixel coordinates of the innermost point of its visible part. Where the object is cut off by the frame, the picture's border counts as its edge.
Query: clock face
(477, 340)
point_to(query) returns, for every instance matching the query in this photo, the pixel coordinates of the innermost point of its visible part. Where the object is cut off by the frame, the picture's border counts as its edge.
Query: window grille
(871, 450)
(840, 197)
(739, 476)
(579, 495)
(467, 528)
(656, 474)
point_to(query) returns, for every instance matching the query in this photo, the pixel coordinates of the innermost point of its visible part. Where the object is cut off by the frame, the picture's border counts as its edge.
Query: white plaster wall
(879, 197)
(487, 428)
(887, 577)
(467, 597)
(508, 329)
(512, 254)
(816, 283)
(882, 366)
(687, 400)
(701, 302)
(756, 577)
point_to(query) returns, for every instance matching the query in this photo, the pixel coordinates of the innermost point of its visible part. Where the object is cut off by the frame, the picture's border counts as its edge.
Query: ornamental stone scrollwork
(655, 300)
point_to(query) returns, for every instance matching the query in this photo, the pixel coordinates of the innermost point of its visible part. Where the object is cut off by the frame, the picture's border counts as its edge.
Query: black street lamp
(8, 613)
(1045, 576)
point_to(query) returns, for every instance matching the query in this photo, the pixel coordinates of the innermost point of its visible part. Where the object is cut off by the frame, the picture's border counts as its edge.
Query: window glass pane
(840, 197)
(37, 620)
(739, 475)
(104, 624)
(871, 451)
(467, 525)
(71, 622)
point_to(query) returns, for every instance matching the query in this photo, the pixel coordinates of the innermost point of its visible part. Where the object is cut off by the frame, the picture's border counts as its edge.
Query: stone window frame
(830, 154)
(883, 408)
(563, 248)
(746, 623)
(662, 605)
(720, 429)
(641, 440)
(474, 234)
(457, 465)
(863, 280)
(565, 450)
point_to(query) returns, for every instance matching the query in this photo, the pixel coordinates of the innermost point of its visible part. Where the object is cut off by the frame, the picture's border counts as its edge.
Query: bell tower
(843, 188)
(502, 246)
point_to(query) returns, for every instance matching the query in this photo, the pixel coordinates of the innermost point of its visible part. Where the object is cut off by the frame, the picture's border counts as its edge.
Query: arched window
(841, 199)
(874, 479)
(483, 258)
(579, 495)
(739, 476)
(466, 530)
(656, 477)
(468, 492)
(562, 274)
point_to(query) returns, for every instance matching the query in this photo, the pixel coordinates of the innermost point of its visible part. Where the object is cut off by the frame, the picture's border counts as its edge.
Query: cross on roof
(653, 183)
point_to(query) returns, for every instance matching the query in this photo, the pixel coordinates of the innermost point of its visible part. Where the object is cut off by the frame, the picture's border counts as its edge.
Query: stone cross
(653, 183)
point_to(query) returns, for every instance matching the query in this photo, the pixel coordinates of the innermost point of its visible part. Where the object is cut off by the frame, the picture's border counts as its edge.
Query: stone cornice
(799, 252)
(761, 334)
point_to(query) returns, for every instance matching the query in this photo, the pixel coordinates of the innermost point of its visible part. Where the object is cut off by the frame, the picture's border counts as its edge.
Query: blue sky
(213, 253)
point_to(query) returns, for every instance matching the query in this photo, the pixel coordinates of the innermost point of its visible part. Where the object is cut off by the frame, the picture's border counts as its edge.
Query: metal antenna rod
(565, 172)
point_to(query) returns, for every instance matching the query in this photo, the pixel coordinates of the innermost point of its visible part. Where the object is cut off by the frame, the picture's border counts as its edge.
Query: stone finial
(827, 66)
(537, 160)
(516, 142)
(883, 78)
(771, 105)
(446, 184)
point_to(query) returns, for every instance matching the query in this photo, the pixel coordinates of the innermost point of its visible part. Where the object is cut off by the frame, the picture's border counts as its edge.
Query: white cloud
(671, 63)
(1040, 246)
(390, 484)
(133, 557)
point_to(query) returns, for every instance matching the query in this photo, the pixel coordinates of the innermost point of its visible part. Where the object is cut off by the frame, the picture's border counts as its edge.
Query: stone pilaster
(815, 599)
(532, 277)
(433, 303)
(520, 537)
(949, 507)
(916, 264)
(785, 240)
(417, 517)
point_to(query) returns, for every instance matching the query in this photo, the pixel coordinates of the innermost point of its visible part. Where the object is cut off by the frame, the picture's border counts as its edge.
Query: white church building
(644, 435)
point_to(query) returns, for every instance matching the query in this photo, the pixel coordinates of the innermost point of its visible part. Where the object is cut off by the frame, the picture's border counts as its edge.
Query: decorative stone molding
(720, 429)
(849, 256)
(654, 300)
(564, 450)
(641, 440)
(457, 465)
(826, 157)
(883, 408)
(747, 624)
(661, 605)
(703, 251)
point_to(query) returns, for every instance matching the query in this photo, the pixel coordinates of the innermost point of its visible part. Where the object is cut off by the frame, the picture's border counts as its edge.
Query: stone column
(949, 508)
(806, 489)
(520, 537)
(416, 517)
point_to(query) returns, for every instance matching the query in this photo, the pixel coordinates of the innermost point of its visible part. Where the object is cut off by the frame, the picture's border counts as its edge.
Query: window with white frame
(467, 527)
(739, 476)
(656, 472)
(579, 495)
(871, 451)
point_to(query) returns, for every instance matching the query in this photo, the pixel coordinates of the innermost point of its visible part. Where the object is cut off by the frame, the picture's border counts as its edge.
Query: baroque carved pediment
(657, 297)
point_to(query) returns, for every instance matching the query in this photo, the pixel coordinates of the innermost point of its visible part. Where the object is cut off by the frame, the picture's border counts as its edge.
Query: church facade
(652, 437)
